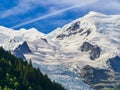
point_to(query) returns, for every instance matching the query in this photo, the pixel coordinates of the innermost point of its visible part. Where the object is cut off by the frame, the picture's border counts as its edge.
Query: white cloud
(22, 7)
(54, 13)
(25, 6)
(106, 6)
(55, 7)
(113, 5)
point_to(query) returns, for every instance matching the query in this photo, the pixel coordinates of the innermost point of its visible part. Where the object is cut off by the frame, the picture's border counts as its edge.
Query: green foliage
(16, 74)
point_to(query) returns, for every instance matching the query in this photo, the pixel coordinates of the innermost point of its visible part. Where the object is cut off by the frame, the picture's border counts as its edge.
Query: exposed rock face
(115, 63)
(74, 27)
(101, 79)
(94, 50)
(44, 40)
(86, 47)
(72, 30)
(86, 32)
(21, 50)
(24, 48)
(61, 36)
(95, 53)
(92, 75)
(19, 54)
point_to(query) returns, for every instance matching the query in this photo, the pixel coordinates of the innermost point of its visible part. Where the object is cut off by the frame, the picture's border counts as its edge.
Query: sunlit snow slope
(95, 28)
(10, 38)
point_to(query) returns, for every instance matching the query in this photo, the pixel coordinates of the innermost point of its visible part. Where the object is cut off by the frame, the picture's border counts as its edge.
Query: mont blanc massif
(81, 55)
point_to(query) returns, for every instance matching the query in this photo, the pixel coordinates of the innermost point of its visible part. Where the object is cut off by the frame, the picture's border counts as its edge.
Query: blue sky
(46, 15)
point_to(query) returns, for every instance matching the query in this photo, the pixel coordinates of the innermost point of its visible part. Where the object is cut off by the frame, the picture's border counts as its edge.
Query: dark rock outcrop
(72, 30)
(93, 49)
(21, 50)
(94, 75)
(74, 27)
(86, 47)
(86, 32)
(101, 79)
(44, 40)
(114, 63)
(61, 36)
(19, 54)
(95, 52)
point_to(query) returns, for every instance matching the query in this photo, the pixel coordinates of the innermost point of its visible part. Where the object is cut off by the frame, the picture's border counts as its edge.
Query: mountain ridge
(90, 40)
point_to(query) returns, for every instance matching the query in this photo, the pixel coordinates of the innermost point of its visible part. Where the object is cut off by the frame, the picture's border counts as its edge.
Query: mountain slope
(10, 38)
(68, 54)
(94, 28)
(96, 35)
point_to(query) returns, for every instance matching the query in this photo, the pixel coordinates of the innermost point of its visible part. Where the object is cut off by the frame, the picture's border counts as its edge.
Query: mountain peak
(95, 14)
(33, 29)
(2, 28)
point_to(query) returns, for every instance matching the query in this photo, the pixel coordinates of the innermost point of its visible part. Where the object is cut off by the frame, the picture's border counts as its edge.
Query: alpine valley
(82, 55)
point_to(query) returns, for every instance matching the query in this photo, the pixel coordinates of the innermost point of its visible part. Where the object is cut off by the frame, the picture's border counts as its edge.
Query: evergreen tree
(16, 74)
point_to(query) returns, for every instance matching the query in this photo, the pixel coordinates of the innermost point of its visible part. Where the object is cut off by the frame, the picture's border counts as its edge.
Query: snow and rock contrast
(10, 39)
(21, 50)
(70, 52)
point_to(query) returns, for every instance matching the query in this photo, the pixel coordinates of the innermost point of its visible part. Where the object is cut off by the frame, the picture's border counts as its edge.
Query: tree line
(17, 74)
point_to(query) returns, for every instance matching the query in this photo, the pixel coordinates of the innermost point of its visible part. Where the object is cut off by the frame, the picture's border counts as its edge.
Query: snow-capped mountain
(77, 52)
(95, 28)
(10, 39)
